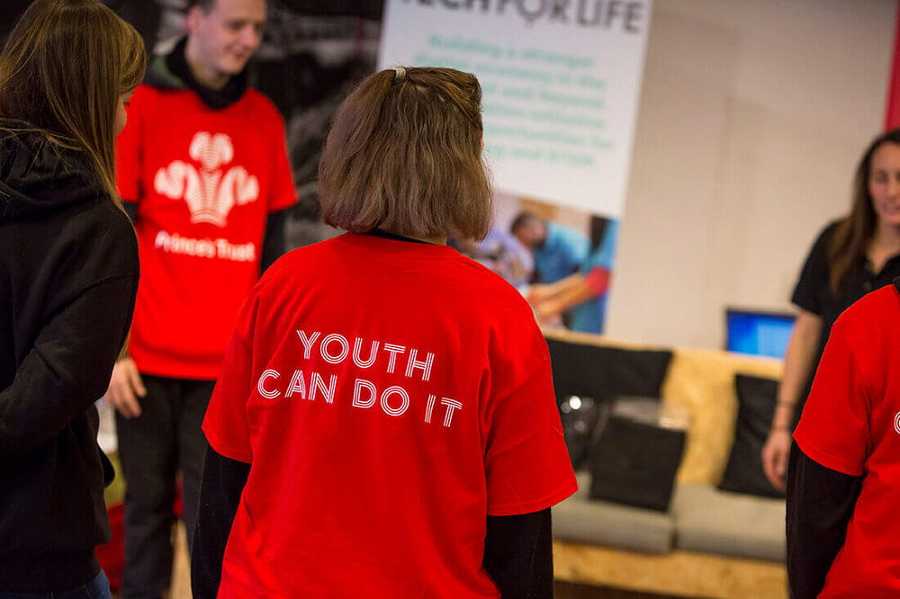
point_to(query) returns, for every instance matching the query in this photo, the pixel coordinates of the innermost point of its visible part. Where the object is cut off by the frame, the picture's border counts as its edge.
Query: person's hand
(775, 456)
(548, 313)
(538, 293)
(125, 387)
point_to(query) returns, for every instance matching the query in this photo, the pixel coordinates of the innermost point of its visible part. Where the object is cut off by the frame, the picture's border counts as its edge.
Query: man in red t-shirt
(202, 168)
(844, 475)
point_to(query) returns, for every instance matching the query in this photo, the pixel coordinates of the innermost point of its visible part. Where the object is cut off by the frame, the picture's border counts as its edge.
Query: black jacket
(68, 279)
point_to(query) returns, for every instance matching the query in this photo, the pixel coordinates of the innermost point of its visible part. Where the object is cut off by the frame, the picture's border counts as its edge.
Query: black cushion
(757, 398)
(606, 372)
(634, 463)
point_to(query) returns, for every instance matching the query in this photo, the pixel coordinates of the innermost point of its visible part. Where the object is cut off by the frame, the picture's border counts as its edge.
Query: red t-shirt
(204, 181)
(851, 424)
(390, 396)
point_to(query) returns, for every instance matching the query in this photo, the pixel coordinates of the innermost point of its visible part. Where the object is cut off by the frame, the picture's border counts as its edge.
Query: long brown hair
(404, 154)
(853, 234)
(62, 71)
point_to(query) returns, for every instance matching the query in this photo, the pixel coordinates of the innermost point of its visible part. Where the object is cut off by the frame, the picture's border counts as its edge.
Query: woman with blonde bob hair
(404, 155)
(385, 423)
(68, 278)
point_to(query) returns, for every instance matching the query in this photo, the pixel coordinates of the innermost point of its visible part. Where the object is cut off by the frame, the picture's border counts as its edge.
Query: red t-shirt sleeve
(526, 462)
(834, 427)
(225, 424)
(283, 194)
(128, 151)
(597, 280)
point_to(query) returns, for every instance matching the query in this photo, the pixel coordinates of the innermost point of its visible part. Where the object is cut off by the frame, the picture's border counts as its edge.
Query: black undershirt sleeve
(220, 493)
(275, 241)
(518, 555)
(820, 502)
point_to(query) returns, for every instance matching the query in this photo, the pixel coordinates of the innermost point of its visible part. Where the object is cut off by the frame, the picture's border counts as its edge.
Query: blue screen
(758, 333)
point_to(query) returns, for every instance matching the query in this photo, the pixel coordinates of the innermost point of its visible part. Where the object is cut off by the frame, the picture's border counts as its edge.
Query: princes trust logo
(212, 191)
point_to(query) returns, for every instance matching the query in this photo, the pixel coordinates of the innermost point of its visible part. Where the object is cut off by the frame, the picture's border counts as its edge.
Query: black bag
(582, 418)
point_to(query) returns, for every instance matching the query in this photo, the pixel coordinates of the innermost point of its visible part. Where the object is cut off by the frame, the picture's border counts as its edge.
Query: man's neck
(203, 74)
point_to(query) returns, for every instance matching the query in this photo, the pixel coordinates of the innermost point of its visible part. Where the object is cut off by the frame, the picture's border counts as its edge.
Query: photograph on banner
(560, 258)
(560, 88)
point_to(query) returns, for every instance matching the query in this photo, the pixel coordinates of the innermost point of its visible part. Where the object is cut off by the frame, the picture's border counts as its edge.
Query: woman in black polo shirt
(850, 258)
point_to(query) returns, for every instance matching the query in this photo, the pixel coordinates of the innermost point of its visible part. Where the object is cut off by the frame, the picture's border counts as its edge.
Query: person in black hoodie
(68, 279)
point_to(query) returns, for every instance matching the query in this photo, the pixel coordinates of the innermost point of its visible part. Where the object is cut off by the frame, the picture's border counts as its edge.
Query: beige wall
(752, 117)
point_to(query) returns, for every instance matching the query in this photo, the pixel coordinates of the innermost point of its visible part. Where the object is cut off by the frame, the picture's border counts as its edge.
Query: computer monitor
(757, 332)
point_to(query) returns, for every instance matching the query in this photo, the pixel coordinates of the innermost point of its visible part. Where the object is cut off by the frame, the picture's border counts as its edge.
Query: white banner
(560, 81)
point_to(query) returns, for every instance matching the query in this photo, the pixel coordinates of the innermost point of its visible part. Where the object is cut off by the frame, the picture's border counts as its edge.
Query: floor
(564, 590)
